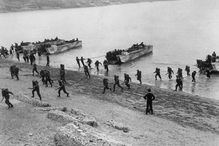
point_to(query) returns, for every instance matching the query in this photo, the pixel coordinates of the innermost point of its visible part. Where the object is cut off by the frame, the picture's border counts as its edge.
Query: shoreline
(182, 108)
(81, 5)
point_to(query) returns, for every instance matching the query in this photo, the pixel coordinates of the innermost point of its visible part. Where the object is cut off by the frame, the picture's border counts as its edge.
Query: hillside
(28, 5)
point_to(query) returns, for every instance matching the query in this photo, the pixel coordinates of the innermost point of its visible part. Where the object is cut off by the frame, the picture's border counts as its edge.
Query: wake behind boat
(132, 53)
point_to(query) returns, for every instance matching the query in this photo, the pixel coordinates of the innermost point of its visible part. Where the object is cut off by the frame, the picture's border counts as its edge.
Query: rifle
(30, 88)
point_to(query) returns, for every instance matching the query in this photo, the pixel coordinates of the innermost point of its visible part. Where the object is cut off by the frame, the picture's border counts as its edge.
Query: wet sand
(179, 118)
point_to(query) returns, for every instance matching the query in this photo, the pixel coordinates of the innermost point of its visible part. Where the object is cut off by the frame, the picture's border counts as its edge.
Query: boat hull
(136, 54)
(56, 49)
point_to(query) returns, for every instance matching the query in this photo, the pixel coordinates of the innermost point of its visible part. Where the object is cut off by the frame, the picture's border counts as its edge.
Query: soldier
(187, 69)
(62, 87)
(32, 59)
(86, 71)
(43, 76)
(170, 72)
(193, 76)
(62, 73)
(78, 61)
(139, 76)
(18, 55)
(116, 79)
(6, 96)
(179, 83)
(35, 69)
(149, 97)
(14, 71)
(48, 78)
(97, 63)
(47, 59)
(105, 63)
(157, 73)
(127, 79)
(179, 73)
(105, 84)
(36, 88)
(82, 60)
(89, 61)
(208, 73)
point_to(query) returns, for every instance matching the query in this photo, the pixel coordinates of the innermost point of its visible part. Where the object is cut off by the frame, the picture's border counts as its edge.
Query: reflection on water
(180, 31)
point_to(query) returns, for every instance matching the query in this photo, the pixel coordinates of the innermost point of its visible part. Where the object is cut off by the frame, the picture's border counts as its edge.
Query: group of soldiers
(45, 78)
(179, 76)
(80, 62)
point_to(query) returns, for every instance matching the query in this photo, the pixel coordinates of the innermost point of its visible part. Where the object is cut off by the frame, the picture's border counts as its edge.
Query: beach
(179, 118)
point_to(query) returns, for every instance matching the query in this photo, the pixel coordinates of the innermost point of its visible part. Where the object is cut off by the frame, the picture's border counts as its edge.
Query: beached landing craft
(211, 63)
(132, 53)
(58, 46)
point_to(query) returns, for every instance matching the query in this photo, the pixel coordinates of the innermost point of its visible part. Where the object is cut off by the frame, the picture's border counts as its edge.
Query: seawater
(180, 31)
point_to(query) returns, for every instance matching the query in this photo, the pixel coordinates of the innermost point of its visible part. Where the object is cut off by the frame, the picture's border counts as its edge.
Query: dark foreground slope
(29, 5)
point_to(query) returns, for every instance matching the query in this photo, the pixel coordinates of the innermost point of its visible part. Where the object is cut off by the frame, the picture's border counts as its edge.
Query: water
(180, 31)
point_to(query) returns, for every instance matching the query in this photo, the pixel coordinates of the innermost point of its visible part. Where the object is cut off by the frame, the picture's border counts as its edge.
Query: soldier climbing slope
(6, 96)
(36, 88)
(127, 79)
(35, 69)
(14, 70)
(106, 85)
(116, 79)
(62, 88)
(86, 71)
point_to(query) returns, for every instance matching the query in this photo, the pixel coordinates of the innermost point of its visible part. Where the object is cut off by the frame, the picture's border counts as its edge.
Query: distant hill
(28, 5)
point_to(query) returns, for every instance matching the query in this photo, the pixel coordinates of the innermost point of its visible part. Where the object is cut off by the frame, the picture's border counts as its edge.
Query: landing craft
(132, 53)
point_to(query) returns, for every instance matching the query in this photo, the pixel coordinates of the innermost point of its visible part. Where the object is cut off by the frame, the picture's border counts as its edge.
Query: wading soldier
(149, 97)
(86, 71)
(105, 64)
(82, 60)
(116, 79)
(139, 76)
(89, 61)
(97, 63)
(179, 73)
(193, 76)
(157, 73)
(36, 88)
(187, 69)
(106, 85)
(62, 88)
(127, 79)
(6, 96)
(208, 74)
(179, 83)
(35, 69)
(169, 72)
(47, 59)
(78, 62)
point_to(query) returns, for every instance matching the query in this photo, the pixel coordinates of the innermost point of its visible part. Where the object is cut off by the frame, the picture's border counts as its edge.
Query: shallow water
(180, 31)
